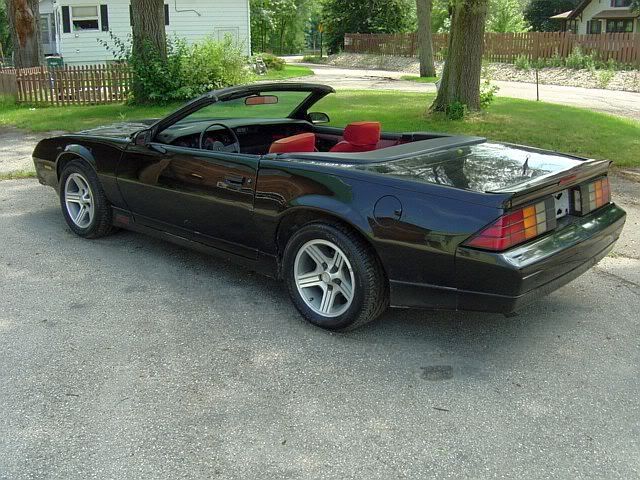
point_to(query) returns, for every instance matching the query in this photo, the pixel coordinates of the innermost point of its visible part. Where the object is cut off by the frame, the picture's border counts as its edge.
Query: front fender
(74, 150)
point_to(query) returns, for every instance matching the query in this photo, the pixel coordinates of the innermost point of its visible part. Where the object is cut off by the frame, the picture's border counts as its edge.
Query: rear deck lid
(484, 167)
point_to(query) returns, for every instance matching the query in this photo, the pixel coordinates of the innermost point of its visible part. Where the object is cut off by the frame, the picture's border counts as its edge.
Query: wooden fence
(624, 48)
(83, 85)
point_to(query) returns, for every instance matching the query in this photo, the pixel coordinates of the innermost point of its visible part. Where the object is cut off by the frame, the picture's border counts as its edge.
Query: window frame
(625, 21)
(591, 23)
(624, 3)
(73, 18)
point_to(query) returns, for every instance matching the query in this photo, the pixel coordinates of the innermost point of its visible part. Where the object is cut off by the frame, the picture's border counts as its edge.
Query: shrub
(272, 62)
(456, 110)
(522, 62)
(487, 93)
(185, 72)
(577, 60)
(605, 77)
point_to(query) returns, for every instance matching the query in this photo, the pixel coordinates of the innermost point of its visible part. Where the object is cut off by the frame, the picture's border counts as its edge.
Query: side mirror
(142, 138)
(319, 117)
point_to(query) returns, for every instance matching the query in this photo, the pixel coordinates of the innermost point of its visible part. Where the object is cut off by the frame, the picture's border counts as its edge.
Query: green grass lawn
(566, 129)
(289, 71)
(415, 78)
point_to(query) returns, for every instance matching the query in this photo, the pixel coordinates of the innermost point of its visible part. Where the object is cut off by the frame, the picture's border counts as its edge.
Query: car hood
(119, 130)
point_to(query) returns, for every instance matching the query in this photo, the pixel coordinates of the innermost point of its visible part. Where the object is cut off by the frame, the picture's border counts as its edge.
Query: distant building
(71, 28)
(600, 16)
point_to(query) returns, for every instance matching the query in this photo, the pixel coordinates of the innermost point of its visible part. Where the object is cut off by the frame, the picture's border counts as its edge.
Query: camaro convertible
(352, 219)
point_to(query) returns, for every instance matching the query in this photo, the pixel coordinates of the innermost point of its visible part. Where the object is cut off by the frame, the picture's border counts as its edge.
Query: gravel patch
(628, 81)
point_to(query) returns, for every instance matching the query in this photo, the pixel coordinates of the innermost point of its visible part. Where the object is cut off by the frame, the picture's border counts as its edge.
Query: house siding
(217, 17)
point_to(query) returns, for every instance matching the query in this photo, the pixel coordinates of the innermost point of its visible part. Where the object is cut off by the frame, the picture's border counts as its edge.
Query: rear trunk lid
(491, 168)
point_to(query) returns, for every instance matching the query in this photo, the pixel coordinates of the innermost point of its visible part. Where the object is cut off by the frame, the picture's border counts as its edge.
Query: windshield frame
(316, 92)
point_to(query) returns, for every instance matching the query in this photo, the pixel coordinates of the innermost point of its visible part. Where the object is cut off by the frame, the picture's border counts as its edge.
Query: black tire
(370, 295)
(101, 223)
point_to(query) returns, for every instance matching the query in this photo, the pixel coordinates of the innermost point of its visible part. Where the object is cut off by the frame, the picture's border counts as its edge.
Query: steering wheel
(218, 146)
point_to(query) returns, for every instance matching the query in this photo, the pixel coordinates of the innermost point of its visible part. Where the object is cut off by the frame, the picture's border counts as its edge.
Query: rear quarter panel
(417, 246)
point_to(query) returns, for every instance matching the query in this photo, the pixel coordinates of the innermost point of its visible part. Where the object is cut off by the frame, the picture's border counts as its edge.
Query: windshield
(275, 105)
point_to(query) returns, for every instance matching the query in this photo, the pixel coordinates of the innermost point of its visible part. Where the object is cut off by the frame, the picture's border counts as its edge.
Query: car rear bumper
(504, 282)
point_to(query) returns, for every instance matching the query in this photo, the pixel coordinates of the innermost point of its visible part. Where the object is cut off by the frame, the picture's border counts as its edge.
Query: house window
(572, 26)
(620, 3)
(594, 27)
(84, 18)
(620, 26)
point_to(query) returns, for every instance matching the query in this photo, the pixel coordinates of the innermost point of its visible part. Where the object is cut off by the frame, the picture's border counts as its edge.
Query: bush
(522, 62)
(272, 62)
(487, 93)
(456, 110)
(185, 72)
(578, 60)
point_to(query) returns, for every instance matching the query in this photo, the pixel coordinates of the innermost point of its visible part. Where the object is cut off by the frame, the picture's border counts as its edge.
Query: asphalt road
(624, 104)
(130, 358)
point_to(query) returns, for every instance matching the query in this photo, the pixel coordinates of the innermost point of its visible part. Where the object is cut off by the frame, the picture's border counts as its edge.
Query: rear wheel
(84, 205)
(333, 277)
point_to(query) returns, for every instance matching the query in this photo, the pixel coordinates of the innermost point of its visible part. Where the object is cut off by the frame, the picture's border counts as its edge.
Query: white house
(601, 16)
(71, 28)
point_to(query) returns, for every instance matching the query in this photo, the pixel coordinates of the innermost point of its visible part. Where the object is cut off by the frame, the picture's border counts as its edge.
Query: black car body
(417, 201)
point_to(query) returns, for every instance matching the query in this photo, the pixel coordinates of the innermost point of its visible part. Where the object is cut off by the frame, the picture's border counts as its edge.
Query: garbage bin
(55, 61)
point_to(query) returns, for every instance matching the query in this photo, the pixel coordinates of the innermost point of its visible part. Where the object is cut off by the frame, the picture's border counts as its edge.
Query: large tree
(24, 26)
(149, 36)
(425, 45)
(462, 68)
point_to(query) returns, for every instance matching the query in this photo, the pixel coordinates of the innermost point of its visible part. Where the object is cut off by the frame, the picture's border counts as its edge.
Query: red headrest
(304, 142)
(362, 133)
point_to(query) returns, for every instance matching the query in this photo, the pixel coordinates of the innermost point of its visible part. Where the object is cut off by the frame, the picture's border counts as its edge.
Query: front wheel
(333, 277)
(84, 204)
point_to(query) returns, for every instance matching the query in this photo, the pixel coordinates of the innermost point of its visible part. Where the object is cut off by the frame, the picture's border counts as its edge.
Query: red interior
(359, 137)
(303, 142)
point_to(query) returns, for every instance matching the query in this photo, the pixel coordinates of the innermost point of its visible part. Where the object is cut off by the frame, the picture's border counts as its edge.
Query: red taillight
(516, 227)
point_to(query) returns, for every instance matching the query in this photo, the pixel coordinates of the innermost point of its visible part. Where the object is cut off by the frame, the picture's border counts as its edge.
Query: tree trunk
(24, 25)
(425, 46)
(463, 66)
(148, 27)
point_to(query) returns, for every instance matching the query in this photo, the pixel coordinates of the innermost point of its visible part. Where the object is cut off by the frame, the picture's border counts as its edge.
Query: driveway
(624, 104)
(128, 357)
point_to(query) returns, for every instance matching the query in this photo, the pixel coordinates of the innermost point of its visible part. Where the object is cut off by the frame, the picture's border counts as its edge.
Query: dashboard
(255, 135)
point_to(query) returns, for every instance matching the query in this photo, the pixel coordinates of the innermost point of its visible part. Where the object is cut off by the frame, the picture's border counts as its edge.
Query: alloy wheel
(324, 278)
(78, 199)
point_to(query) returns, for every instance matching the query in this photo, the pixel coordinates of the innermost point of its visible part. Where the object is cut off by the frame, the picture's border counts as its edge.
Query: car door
(201, 194)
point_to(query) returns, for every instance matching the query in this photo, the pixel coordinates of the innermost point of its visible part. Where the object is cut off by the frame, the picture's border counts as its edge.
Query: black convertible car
(352, 219)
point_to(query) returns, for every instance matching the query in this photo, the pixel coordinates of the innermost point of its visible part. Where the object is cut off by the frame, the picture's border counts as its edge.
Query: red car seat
(303, 142)
(359, 137)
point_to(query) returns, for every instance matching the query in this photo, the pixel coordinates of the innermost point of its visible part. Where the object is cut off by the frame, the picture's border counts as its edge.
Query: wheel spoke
(316, 255)
(309, 280)
(328, 299)
(80, 215)
(346, 290)
(73, 197)
(337, 261)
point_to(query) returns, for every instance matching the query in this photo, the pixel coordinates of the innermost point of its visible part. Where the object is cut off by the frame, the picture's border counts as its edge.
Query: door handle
(235, 180)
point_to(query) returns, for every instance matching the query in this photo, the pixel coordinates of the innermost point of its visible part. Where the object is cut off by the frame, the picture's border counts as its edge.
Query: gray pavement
(131, 358)
(16, 147)
(624, 104)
